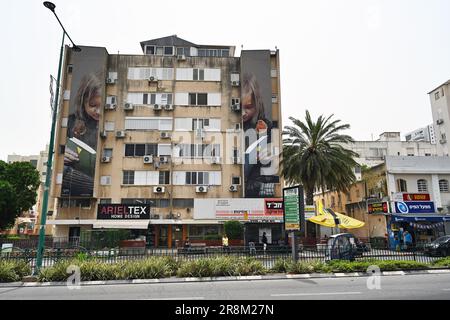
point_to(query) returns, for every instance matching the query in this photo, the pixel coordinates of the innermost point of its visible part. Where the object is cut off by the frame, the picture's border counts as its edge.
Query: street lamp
(40, 249)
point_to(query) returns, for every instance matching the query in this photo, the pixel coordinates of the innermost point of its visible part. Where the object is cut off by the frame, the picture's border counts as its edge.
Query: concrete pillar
(435, 193)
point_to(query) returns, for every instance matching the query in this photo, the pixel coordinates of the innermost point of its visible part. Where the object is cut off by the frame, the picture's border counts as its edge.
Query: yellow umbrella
(329, 218)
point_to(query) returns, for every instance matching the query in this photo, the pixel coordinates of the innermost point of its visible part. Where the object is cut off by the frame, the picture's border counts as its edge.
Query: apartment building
(140, 137)
(440, 109)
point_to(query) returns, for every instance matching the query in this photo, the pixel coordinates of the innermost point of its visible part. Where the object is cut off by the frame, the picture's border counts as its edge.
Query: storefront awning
(122, 224)
(420, 218)
(181, 222)
(69, 222)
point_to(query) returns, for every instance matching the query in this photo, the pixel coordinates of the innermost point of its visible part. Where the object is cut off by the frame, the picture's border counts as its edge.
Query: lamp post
(40, 249)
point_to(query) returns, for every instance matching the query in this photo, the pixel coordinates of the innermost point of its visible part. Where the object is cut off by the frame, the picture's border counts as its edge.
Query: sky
(371, 63)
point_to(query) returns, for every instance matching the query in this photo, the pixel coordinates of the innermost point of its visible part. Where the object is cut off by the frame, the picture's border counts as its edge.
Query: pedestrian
(225, 246)
(407, 239)
(264, 241)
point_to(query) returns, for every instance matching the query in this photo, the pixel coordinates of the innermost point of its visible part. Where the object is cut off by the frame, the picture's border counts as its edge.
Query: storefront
(423, 228)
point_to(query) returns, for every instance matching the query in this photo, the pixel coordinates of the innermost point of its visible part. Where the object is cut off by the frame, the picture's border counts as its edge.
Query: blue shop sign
(414, 207)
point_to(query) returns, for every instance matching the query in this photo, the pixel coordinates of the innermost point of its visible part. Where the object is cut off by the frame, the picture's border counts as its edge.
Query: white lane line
(313, 294)
(445, 289)
(177, 298)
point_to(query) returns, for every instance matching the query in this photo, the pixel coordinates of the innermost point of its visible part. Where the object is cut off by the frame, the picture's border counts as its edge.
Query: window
(198, 99)
(197, 178)
(164, 177)
(273, 73)
(436, 95)
(198, 74)
(235, 101)
(128, 177)
(137, 201)
(168, 51)
(236, 180)
(180, 51)
(141, 149)
(105, 180)
(443, 185)
(75, 203)
(105, 201)
(62, 149)
(149, 50)
(274, 98)
(70, 68)
(107, 152)
(64, 122)
(422, 185)
(183, 203)
(401, 185)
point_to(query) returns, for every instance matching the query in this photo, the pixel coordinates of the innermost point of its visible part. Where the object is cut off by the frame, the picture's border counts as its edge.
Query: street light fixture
(40, 250)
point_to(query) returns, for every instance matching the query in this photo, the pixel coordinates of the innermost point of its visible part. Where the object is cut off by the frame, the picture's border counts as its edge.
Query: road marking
(178, 298)
(445, 289)
(313, 294)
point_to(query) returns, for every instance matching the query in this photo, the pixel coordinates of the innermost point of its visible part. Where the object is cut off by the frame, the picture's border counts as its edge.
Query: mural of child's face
(92, 107)
(248, 108)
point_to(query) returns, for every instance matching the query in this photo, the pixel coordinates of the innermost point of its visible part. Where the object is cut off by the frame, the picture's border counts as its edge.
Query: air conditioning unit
(152, 79)
(103, 134)
(111, 80)
(110, 106)
(215, 160)
(442, 141)
(165, 135)
(440, 121)
(236, 160)
(168, 107)
(181, 57)
(164, 159)
(235, 83)
(236, 107)
(128, 106)
(159, 189)
(201, 189)
(157, 107)
(234, 188)
(106, 159)
(148, 159)
(120, 134)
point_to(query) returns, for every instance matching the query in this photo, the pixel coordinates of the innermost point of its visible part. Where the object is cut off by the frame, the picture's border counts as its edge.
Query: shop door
(74, 235)
(268, 232)
(163, 236)
(177, 236)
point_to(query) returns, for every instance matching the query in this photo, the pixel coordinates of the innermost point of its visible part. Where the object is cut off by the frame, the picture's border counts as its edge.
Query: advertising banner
(310, 211)
(378, 207)
(261, 161)
(293, 207)
(85, 107)
(399, 196)
(250, 210)
(122, 212)
(414, 207)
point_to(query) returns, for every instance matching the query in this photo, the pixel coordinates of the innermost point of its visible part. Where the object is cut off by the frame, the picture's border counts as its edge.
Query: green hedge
(11, 271)
(444, 262)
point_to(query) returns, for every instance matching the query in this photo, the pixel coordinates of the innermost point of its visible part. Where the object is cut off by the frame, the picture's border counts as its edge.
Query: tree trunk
(309, 196)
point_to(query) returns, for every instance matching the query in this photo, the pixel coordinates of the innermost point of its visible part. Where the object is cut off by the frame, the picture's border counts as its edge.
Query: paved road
(392, 287)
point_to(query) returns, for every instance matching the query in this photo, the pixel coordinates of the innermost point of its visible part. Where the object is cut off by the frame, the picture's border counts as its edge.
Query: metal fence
(267, 257)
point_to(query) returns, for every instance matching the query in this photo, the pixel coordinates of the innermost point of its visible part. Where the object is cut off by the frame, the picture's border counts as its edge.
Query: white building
(440, 108)
(372, 153)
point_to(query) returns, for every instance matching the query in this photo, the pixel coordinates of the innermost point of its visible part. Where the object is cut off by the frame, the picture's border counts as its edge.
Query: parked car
(439, 247)
(344, 246)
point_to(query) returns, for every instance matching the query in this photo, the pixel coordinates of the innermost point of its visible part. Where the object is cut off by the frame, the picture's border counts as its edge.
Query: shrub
(152, 268)
(57, 272)
(95, 270)
(249, 267)
(281, 265)
(8, 272)
(444, 262)
(195, 268)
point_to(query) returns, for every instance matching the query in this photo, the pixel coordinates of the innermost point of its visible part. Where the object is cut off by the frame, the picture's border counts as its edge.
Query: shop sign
(310, 211)
(411, 197)
(293, 207)
(378, 207)
(414, 207)
(122, 212)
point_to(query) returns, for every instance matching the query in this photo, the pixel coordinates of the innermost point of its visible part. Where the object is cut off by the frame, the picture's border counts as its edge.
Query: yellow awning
(327, 218)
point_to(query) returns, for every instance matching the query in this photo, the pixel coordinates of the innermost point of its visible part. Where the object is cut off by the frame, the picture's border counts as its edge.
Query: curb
(231, 278)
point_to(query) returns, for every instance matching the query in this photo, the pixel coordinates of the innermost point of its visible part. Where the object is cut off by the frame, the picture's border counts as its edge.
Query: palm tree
(315, 156)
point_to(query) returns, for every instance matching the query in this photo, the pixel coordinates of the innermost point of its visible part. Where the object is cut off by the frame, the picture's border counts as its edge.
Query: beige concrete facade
(228, 137)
